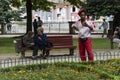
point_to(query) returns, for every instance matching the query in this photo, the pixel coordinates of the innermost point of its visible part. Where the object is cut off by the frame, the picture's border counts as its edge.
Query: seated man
(28, 41)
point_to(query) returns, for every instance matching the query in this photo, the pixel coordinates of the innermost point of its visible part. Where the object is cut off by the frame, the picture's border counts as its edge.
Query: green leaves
(5, 10)
(42, 5)
(36, 4)
(77, 3)
(98, 7)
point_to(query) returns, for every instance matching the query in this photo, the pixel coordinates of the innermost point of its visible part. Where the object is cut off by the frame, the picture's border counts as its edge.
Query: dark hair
(38, 18)
(35, 20)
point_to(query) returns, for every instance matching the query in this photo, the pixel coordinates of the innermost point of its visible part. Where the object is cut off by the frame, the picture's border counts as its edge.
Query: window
(60, 9)
(73, 9)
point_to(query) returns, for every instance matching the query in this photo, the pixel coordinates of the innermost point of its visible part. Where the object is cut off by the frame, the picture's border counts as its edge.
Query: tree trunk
(29, 15)
(116, 21)
(2, 28)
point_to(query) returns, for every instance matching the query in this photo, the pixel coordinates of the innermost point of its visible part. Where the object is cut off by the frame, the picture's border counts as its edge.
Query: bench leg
(71, 51)
(22, 54)
(47, 53)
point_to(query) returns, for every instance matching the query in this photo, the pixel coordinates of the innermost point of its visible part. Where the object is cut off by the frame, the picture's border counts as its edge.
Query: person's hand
(84, 23)
(40, 38)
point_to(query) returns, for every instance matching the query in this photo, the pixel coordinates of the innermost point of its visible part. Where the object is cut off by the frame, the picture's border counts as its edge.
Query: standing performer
(84, 28)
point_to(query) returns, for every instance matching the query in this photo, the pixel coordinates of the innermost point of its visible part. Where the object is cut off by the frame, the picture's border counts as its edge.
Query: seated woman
(41, 41)
(116, 36)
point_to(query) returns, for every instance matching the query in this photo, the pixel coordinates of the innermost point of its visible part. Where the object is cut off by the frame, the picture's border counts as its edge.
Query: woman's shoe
(34, 57)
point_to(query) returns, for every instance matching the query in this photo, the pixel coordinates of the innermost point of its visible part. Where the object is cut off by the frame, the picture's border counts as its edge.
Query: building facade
(61, 12)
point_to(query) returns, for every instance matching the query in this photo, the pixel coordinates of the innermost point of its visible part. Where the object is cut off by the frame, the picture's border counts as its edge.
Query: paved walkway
(74, 36)
(98, 51)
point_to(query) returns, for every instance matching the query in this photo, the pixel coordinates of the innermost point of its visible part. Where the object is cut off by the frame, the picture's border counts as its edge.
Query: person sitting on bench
(28, 40)
(41, 41)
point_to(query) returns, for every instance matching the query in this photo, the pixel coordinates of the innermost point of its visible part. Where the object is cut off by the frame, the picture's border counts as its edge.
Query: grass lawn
(7, 45)
(100, 43)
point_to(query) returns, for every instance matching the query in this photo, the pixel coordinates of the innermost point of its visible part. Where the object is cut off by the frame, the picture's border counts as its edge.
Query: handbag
(49, 44)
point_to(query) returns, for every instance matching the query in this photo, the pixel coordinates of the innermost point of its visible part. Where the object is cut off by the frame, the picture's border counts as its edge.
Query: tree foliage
(36, 4)
(6, 11)
(102, 7)
(98, 7)
(77, 3)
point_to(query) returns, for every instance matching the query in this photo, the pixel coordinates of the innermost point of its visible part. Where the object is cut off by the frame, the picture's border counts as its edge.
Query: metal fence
(8, 62)
(49, 27)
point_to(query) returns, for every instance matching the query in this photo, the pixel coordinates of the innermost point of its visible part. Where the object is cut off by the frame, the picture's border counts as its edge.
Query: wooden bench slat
(61, 47)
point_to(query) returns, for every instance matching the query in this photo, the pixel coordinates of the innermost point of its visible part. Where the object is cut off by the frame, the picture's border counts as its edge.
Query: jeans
(36, 47)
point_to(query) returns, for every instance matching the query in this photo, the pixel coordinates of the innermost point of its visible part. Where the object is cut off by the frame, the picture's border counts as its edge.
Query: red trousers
(85, 46)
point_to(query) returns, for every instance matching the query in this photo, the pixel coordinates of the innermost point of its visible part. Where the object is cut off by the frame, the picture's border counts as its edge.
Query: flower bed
(102, 70)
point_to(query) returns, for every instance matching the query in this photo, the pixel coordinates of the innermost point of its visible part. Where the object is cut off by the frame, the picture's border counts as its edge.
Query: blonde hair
(39, 29)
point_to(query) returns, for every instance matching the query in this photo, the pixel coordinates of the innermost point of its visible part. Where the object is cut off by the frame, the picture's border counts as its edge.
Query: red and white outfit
(84, 32)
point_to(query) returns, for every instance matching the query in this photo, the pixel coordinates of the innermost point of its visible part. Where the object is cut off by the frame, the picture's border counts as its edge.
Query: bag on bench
(49, 44)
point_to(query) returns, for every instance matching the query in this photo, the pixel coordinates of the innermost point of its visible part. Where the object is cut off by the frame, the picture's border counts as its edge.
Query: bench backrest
(60, 40)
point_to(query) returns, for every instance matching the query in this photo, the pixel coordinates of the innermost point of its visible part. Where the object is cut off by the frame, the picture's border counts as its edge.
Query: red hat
(81, 10)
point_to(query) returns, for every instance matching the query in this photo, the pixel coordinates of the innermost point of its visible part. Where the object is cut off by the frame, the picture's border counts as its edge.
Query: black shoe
(34, 57)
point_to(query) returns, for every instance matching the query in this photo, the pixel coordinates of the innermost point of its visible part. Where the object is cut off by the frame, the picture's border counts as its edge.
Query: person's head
(82, 14)
(40, 30)
(104, 19)
(30, 34)
(38, 18)
(35, 20)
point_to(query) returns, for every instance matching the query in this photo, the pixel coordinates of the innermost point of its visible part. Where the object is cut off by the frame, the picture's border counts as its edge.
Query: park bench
(59, 42)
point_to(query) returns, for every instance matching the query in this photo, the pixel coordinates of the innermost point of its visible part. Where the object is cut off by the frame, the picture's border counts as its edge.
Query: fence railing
(8, 62)
(49, 27)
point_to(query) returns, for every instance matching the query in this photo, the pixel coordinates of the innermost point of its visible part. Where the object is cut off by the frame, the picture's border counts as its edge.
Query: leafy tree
(32, 4)
(6, 13)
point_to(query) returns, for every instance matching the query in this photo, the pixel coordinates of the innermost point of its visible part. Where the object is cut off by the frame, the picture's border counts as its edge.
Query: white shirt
(83, 31)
